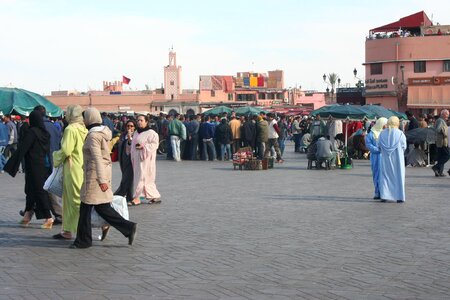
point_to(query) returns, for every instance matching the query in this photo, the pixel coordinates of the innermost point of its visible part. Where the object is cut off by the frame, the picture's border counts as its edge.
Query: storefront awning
(429, 96)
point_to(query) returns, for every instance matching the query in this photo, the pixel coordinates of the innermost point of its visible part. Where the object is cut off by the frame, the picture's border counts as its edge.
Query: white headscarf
(378, 127)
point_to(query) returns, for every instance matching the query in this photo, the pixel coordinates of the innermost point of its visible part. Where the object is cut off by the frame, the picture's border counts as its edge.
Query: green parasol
(22, 102)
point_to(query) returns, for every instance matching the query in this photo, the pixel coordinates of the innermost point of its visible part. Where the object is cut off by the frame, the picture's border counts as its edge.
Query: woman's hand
(103, 187)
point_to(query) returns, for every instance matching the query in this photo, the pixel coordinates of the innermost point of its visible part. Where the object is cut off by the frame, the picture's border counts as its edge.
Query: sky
(49, 45)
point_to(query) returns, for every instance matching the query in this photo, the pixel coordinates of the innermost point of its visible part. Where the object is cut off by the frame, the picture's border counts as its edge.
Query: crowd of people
(82, 144)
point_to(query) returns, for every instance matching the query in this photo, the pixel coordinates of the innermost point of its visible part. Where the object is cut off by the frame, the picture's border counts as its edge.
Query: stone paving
(286, 233)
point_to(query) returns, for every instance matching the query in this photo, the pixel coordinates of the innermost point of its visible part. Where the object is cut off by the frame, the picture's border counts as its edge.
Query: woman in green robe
(71, 156)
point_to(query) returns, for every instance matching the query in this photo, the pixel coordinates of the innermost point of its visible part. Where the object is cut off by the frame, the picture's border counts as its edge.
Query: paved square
(286, 233)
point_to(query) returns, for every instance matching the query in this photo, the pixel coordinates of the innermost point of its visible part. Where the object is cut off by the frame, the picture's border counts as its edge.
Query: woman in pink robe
(143, 157)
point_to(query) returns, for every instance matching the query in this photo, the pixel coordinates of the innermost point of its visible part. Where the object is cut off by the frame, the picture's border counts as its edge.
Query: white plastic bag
(119, 204)
(54, 182)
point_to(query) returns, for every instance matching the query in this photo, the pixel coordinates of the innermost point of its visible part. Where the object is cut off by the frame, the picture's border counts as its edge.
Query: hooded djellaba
(96, 189)
(70, 157)
(372, 145)
(34, 149)
(392, 144)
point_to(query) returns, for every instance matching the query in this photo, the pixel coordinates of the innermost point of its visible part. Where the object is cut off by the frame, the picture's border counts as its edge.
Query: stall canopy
(249, 110)
(410, 22)
(351, 112)
(22, 102)
(218, 110)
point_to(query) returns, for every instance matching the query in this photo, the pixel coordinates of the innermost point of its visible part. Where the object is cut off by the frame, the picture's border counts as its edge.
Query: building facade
(407, 65)
(246, 88)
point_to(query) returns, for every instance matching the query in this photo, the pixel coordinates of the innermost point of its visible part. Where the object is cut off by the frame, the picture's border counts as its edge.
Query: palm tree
(333, 79)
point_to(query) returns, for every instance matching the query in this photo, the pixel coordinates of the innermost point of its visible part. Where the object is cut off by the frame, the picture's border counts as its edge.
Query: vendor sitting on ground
(305, 142)
(326, 151)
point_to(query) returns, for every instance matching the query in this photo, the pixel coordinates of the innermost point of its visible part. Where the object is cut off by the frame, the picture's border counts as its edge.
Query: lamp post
(401, 91)
(331, 80)
(360, 83)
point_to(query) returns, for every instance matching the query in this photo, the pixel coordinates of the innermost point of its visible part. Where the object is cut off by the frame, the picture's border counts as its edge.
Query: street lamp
(360, 83)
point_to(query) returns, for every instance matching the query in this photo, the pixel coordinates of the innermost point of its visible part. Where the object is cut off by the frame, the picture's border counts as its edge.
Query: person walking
(70, 156)
(35, 148)
(143, 157)
(11, 147)
(177, 132)
(443, 153)
(125, 188)
(391, 180)
(273, 135)
(372, 145)
(96, 189)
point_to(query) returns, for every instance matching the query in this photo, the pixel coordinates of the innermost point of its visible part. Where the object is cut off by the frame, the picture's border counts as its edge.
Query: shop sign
(375, 84)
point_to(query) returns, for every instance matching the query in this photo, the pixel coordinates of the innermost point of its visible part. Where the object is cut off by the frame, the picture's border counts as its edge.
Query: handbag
(54, 182)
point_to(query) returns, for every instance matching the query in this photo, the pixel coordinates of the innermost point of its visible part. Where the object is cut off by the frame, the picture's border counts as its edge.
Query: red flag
(125, 80)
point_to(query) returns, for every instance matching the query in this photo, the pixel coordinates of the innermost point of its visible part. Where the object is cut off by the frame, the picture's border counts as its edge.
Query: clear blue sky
(59, 44)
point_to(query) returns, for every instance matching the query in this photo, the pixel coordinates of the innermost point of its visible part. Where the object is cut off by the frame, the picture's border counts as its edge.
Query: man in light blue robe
(391, 180)
(372, 145)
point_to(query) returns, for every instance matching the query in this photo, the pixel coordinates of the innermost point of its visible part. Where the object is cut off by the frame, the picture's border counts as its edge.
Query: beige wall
(107, 103)
(408, 49)
(394, 53)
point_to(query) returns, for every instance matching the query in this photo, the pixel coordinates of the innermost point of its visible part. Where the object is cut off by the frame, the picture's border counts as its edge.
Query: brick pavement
(286, 233)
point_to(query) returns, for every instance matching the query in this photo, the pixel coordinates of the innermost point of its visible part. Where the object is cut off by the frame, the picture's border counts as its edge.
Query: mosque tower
(172, 78)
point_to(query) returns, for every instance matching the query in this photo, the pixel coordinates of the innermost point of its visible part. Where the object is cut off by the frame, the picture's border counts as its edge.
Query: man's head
(444, 114)
(409, 114)
(41, 109)
(7, 118)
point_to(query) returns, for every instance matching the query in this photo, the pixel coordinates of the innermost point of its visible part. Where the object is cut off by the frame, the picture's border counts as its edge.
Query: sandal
(132, 203)
(61, 236)
(154, 201)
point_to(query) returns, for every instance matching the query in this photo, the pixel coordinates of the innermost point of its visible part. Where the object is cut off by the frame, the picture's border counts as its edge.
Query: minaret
(172, 78)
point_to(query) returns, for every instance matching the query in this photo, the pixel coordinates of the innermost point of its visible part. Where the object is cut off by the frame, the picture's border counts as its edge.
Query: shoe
(383, 200)
(376, 198)
(442, 175)
(154, 201)
(24, 222)
(60, 236)
(436, 172)
(47, 224)
(400, 201)
(133, 203)
(280, 161)
(105, 231)
(75, 246)
(57, 221)
(132, 235)
(448, 172)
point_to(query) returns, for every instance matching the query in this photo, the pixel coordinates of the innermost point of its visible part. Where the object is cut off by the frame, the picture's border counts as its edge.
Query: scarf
(140, 130)
(378, 127)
